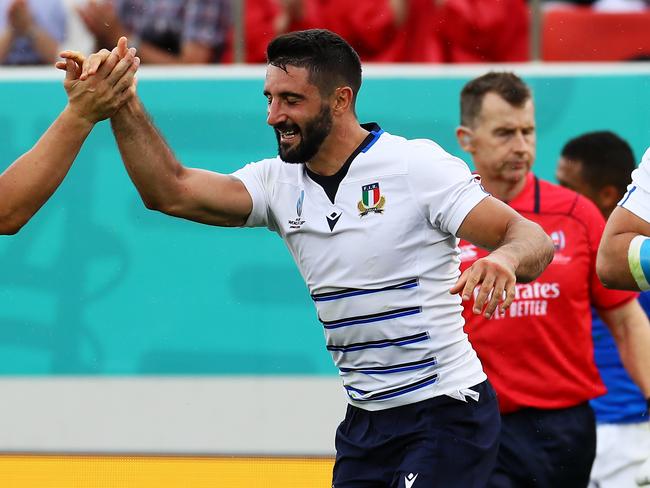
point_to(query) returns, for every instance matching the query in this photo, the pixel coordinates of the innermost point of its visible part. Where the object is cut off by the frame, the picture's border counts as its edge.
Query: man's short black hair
(505, 84)
(330, 60)
(606, 159)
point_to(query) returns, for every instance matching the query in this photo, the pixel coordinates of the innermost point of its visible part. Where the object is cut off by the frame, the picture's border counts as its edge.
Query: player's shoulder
(422, 153)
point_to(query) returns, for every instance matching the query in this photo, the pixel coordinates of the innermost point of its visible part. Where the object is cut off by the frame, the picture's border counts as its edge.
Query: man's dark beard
(311, 138)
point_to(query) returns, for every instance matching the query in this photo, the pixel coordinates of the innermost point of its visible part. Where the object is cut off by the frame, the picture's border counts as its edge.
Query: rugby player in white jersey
(372, 221)
(624, 252)
(30, 180)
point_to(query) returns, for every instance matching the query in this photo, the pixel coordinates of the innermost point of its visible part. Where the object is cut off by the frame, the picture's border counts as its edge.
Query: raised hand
(100, 84)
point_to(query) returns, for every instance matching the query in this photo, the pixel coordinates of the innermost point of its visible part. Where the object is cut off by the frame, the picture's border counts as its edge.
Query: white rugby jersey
(637, 198)
(379, 263)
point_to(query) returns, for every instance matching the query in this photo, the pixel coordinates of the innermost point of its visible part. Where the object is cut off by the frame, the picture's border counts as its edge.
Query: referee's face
(502, 140)
(299, 115)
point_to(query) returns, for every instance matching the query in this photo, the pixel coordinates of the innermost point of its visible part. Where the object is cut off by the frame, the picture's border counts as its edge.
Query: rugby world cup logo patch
(298, 221)
(372, 201)
(559, 241)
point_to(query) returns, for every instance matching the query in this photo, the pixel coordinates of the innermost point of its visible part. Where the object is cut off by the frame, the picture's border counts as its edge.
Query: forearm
(27, 184)
(152, 166)
(6, 40)
(44, 44)
(612, 263)
(632, 336)
(527, 247)
(634, 355)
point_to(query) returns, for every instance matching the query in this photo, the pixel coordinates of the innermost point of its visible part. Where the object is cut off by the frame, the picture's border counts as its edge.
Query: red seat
(581, 34)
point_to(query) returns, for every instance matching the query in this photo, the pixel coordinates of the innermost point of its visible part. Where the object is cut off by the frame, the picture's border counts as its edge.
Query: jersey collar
(528, 199)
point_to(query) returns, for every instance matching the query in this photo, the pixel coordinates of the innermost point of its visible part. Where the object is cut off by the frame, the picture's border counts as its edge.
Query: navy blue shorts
(440, 442)
(546, 448)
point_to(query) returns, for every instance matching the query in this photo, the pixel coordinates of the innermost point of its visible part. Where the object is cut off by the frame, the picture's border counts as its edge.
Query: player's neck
(337, 148)
(504, 190)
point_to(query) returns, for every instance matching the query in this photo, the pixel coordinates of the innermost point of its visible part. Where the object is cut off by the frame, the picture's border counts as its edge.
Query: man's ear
(464, 136)
(609, 196)
(342, 100)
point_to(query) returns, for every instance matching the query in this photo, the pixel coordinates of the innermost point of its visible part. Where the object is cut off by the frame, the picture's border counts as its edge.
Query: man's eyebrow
(285, 94)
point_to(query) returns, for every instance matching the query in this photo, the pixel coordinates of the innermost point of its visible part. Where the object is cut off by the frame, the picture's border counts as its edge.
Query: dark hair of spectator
(331, 61)
(606, 159)
(505, 84)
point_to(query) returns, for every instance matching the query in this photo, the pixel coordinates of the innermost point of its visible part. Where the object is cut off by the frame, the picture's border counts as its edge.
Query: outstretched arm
(162, 181)
(521, 250)
(168, 186)
(27, 184)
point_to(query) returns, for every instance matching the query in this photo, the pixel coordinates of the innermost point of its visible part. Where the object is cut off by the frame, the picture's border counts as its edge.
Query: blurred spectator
(77, 37)
(475, 31)
(386, 30)
(31, 30)
(266, 19)
(601, 5)
(453, 31)
(164, 31)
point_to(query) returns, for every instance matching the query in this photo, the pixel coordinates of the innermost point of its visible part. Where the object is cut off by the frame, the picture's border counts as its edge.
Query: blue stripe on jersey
(627, 195)
(429, 380)
(400, 341)
(375, 317)
(374, 139)
(351, 292)
(395, 368)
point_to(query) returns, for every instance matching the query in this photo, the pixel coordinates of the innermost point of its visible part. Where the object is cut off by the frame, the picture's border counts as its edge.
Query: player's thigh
(546, 448)
(456, 449)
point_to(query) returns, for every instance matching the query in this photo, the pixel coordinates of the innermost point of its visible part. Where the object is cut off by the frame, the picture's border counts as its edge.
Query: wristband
(638, 258)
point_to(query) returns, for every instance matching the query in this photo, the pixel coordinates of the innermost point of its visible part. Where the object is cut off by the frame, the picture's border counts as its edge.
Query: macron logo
(410, 479)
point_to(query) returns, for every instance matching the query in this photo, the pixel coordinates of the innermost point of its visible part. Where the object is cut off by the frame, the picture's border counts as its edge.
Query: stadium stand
(585, 34)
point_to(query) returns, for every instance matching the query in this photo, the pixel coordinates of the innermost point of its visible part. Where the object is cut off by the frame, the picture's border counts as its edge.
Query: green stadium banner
(96, 284)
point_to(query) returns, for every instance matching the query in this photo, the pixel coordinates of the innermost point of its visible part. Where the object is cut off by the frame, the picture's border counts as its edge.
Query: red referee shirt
(539, 353)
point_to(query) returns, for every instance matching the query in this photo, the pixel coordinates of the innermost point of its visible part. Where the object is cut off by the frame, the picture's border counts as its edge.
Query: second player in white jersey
(637, 198)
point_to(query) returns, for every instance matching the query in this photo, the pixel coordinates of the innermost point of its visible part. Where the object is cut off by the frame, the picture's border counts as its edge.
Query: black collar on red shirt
(537, 203)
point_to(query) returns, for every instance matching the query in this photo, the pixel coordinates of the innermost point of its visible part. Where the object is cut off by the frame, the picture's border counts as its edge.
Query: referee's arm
(521, 250)
(612, 263)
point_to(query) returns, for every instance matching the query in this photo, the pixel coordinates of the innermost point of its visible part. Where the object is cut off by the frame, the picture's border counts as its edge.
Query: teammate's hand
(643, 474)
(102, 94)
(91, 64)
(495, 275)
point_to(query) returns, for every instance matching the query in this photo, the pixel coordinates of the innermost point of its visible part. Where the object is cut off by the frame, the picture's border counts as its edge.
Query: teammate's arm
(30, 180)
(612, 264)
(168, 186)
(630, 328)
(520, 252)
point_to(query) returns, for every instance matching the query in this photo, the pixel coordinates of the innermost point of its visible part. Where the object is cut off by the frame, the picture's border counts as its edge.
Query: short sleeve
(637, 198)
(594, 223)
(444, 187)
(256, 179)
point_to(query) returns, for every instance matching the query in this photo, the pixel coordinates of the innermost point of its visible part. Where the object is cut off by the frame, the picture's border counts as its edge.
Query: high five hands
(100, 84)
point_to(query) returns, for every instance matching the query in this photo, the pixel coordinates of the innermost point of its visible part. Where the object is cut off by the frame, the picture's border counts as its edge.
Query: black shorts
(546, 448)
(440, 442)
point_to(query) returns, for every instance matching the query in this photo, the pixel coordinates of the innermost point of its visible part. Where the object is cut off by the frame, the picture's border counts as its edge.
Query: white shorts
(620, 451)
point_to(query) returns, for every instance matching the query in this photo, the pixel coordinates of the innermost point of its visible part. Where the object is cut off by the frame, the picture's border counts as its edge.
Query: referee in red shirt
(538, 354)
